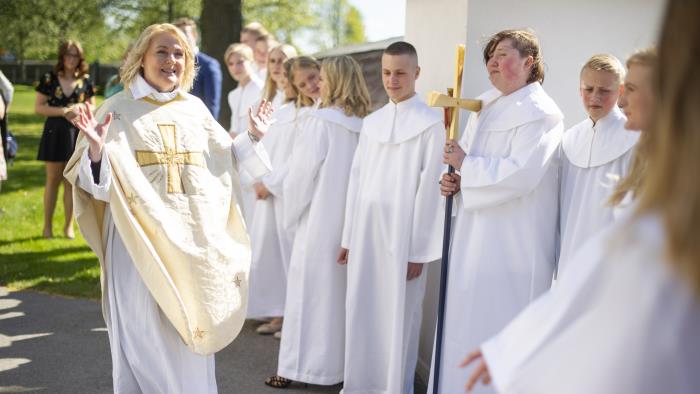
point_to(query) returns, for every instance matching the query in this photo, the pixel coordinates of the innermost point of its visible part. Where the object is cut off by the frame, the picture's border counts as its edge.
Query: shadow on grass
(4, 242)
(46, 271)
(24, 119)
(24, 176)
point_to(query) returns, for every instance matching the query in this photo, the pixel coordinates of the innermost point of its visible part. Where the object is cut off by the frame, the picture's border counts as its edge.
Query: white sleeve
(231, 105)
(309, 153)
(274, 181)
(251, 157)
(7, 89)
(548, 316)
(85, 180)
(428, 219)
(351, 199)
(488, 181)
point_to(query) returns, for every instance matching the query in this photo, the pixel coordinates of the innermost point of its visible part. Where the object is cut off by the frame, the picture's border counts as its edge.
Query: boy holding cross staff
(504, 232)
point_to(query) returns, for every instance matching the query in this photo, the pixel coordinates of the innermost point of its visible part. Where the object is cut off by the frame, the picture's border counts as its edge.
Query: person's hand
(414, 270)
(260, 121)
(450, 184)
(480, 373)
(454, 155)
(343, 256)
(72, 112)
(93, 131)
(261, 192)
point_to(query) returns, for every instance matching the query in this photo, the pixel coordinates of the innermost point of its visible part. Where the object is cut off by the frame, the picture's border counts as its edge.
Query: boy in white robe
(239, 59)
(313, 340)
(503, 246)
(392, 228)
(595, 155)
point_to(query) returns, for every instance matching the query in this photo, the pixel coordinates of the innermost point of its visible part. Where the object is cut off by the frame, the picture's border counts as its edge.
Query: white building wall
(569, 32)
(434, 27)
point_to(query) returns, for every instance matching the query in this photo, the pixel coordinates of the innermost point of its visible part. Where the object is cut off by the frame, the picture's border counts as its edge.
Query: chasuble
(173, 197)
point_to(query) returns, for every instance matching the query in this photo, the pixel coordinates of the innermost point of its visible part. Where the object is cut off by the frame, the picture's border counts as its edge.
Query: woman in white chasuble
(157, 200)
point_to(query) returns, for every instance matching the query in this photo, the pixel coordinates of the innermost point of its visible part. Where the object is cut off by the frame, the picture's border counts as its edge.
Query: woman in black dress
(60, 94)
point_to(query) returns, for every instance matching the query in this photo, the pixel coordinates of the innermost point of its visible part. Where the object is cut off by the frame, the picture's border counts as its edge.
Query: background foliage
(32, 29)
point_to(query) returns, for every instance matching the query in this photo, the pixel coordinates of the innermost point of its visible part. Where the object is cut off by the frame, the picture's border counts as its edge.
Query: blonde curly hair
(132, 65)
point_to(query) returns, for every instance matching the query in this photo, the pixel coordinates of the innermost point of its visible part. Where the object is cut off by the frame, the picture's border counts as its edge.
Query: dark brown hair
(401, 48)
(527, 44)
(81, 69)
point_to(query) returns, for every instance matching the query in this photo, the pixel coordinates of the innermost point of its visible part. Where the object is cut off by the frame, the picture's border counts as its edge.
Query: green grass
(28, 261)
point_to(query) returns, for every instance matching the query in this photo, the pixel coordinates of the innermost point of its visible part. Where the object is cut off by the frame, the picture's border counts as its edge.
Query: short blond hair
(255, 28)
(608, 63)
(132, 66)
(242, 49)
(346, 86)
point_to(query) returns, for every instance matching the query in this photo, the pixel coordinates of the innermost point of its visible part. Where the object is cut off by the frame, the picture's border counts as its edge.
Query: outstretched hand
(93, 131)
(480, 373)
(260, 121)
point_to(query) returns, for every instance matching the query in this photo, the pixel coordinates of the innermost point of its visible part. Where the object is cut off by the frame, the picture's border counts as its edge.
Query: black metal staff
(452, 103)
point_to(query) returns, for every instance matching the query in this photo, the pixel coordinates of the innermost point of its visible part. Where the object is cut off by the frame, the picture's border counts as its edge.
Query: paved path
(54, 344)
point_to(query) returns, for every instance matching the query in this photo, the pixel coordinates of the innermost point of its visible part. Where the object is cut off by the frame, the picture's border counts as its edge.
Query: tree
(338, 22)
(220, 26)
(34, 28)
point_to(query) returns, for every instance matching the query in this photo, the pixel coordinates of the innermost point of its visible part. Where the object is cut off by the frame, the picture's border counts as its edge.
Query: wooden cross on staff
(452, 103)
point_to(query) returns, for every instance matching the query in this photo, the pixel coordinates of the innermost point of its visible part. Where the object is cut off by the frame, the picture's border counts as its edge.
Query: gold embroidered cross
(237, 281)
(199, 334)
(173, 158)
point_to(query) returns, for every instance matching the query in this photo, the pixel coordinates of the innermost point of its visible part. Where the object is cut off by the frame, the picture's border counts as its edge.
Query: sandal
(278, 382)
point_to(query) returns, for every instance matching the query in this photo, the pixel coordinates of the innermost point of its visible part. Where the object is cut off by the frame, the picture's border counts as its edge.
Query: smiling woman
(156, 191)
(163, 58)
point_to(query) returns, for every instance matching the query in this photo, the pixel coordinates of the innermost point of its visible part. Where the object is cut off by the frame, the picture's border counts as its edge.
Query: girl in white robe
(503, 246)
(270, 241)
(312, 349)
(239, 59)
(595, 154)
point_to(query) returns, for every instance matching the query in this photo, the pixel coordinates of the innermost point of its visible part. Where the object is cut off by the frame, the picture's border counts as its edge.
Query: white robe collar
(336, 115)
(528, 104)
(395, 123)
(140, 88)
(586, 145)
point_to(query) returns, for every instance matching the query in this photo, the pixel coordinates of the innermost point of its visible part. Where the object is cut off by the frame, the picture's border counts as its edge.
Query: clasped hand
(261, 192)
(453, 154)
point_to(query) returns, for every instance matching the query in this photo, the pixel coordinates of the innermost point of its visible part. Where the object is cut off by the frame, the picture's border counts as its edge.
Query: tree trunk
(220, 25)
